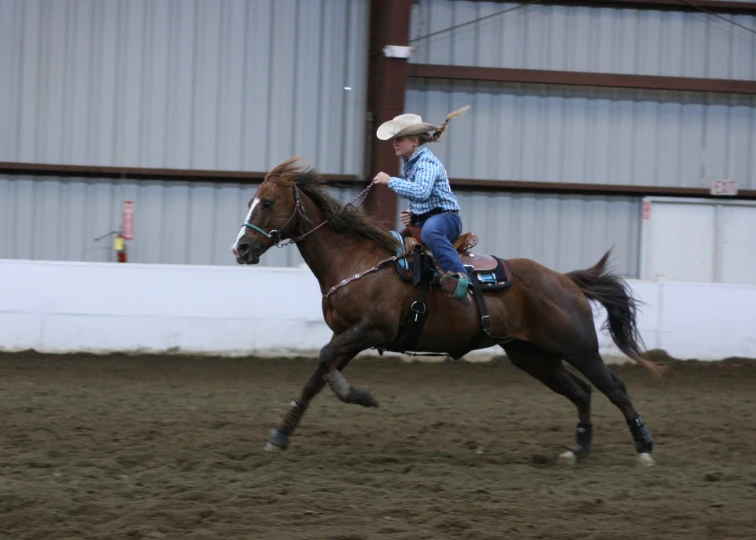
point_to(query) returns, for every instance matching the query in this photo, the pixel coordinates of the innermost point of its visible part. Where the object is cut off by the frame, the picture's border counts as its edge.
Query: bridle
(299, 209)
(277, 235)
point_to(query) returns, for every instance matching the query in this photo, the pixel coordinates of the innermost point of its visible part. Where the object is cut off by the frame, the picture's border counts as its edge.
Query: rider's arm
(419, 187)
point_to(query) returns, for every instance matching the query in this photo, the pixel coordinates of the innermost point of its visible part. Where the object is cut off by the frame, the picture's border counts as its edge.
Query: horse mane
(352, 220)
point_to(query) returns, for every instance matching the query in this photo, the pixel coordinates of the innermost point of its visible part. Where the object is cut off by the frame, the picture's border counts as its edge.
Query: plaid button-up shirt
(425, 183)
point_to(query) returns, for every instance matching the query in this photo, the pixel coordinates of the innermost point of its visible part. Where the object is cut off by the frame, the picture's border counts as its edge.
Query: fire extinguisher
(119, 245)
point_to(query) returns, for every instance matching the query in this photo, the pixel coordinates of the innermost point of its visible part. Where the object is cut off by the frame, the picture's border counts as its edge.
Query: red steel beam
(733, 8)
(193, 175)
(242, 177)
(387, 84)
(580, 78)
(617, 190)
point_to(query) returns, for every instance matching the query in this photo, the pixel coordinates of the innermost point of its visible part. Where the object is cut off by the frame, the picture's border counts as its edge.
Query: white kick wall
(64, 307)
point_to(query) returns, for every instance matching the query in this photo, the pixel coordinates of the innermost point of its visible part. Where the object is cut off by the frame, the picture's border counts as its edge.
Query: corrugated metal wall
(589, 135)
(50, 218)
(582, 135)
(641, 42)
(243, 85)
(563, 232)
(595, 136)
(235, 85)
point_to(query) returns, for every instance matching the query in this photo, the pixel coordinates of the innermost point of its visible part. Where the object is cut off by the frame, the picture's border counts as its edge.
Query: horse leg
(593, 367)
(550, 371)
(342, 348)
(279, 436)
(333, 358)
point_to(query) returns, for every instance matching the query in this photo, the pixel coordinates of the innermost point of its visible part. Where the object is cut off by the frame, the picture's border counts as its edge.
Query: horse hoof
(277, 442)
(568, 458)
(270, 447)
(645, 460)
(365, 399)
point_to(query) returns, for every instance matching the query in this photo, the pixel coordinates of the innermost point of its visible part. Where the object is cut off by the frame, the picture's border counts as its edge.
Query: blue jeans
(438, 232)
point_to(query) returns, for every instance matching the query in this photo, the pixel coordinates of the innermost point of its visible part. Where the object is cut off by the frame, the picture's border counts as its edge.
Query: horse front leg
(333, 358)
(279, 436)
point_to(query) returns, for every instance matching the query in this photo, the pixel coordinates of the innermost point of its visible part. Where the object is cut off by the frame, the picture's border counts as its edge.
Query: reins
(299, 209)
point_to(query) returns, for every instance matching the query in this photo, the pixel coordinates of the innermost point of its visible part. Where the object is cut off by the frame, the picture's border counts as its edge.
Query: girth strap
(418, 261)
(485, 320)
(414, 322)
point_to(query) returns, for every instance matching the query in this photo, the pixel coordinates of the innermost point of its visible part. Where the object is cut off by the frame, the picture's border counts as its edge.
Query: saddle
(492, 272)
(464, 243)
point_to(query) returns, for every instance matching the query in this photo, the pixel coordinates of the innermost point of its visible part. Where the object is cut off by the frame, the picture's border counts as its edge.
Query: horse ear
(601, 265)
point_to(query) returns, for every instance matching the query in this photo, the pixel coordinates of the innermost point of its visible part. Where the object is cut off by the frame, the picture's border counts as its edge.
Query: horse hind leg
(594, 369)
(552, 373)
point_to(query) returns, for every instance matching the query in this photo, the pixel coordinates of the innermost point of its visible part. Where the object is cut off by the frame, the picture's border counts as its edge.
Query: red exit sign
(727, 186)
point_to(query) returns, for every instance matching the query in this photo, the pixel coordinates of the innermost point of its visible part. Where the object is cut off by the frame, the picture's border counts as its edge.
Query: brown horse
(542, 320)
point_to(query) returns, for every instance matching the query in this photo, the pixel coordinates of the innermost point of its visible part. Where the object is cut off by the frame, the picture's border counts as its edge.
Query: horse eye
(267, 204)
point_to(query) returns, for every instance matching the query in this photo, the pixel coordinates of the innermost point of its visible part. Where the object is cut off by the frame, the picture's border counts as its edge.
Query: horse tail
(611, 291)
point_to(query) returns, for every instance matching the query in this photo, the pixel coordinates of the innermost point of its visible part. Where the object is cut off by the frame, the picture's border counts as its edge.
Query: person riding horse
(433, 207)
(545, 317)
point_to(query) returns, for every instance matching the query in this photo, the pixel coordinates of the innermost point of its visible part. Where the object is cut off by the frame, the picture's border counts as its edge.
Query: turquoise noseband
(258, 229)
(275, 234)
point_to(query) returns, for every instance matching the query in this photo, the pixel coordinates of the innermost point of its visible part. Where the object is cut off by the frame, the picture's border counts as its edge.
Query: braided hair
(424, 138)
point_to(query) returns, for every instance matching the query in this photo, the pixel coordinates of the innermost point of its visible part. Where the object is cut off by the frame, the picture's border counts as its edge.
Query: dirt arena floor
(171, 447)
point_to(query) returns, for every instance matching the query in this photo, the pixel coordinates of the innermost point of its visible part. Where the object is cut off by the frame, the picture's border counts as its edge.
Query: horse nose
(244, 248)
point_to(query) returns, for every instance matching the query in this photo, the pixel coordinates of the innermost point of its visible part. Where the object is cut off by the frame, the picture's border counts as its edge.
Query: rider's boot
(456, 284)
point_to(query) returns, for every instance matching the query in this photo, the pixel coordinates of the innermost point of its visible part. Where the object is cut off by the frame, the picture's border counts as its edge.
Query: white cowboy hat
(403, 126)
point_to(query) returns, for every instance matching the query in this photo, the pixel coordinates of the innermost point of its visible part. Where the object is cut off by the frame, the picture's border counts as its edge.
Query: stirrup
(460, 290)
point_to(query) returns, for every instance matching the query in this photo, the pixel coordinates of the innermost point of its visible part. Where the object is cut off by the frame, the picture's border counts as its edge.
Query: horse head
(272, 216)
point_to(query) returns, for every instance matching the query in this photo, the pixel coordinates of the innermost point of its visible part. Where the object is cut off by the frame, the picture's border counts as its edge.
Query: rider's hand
(382, 178)
(406, 216)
